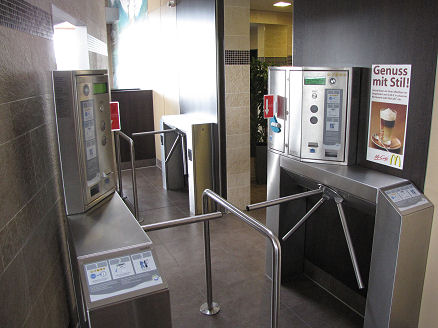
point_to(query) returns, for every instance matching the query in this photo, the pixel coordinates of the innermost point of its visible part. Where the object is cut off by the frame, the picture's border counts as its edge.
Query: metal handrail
(133, 175)
(211, 307)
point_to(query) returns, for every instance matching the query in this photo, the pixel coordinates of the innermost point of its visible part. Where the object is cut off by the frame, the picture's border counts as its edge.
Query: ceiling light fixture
(281, 4)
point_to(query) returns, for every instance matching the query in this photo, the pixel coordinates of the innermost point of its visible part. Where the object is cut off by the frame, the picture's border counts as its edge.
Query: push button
(313, 108)
(313, 120)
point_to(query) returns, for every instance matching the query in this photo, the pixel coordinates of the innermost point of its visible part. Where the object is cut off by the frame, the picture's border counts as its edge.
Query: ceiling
(267, 5)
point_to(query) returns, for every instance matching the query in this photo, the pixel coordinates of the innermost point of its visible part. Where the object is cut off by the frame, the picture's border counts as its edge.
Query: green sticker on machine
(314, 80)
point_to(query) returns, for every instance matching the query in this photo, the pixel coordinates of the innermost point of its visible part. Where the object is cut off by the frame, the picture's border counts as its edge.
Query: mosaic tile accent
(22, 16)
(237, 57)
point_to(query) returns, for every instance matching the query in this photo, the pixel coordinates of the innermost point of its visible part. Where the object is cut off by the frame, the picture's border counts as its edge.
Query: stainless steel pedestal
(397, 248)
(117, 277)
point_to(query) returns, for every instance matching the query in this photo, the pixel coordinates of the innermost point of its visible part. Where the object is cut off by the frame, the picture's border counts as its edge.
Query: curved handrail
(276, 252)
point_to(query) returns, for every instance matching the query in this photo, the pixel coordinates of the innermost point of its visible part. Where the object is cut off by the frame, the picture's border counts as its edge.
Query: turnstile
(118, 282)
(389, 221)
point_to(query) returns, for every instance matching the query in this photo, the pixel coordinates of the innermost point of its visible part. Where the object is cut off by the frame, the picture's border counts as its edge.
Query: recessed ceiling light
(281, 4)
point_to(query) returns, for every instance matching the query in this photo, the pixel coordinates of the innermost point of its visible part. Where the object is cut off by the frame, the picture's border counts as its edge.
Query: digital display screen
(314, 80)
(100, 88)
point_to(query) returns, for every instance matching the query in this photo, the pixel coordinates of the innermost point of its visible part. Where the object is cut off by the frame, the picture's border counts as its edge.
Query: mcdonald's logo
(396, 159)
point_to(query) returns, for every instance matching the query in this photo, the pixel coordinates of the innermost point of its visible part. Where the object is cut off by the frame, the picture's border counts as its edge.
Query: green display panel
(100, 88)
(314, 81)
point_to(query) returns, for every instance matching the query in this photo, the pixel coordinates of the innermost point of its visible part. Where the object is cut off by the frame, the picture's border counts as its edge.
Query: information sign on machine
(115, 116)
(389, 102)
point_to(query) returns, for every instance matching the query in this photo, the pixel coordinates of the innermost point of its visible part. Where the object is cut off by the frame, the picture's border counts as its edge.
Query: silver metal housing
(84, 137)
(318, 121)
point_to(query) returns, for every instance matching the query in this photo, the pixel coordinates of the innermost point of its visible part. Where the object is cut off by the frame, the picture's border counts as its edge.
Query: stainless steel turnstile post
(327, 194)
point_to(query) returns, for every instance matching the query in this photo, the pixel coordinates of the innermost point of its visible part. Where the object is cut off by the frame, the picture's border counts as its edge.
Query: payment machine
(360, 234)
(116, 274)
(315, 109)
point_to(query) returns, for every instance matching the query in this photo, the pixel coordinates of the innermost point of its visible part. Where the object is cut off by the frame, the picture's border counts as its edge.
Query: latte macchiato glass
(387, 123)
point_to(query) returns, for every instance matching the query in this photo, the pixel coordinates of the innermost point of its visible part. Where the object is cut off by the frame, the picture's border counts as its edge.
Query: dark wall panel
(136, 115)
(366, 32)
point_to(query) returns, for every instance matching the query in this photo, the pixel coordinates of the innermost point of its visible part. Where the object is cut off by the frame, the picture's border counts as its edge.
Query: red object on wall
(115, 116)
(268, 106)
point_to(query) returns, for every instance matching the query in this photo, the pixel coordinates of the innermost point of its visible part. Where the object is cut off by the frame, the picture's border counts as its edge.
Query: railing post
(134, 180)
(210, 307)
(119, 166)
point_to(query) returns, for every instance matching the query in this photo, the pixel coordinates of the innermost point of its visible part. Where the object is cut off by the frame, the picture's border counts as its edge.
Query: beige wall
(429, 305)
(165, 83)
(274, 33)
(237, 104)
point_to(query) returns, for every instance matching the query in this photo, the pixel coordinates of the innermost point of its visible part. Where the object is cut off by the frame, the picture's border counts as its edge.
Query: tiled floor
(238, 265)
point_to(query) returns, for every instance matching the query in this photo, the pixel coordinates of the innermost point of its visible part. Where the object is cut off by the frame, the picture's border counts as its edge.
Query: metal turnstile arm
(304, 219)
(349, 243)
(281, 200)
(172, 149)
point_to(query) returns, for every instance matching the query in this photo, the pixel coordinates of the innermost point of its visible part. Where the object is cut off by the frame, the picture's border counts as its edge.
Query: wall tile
(236, 20)
(238, 160)
(10, 242)
(17, 179)
(44, 152)
(237, 120)
(238, 140)
(14, 297)
(237, 42)
(240, 196)
(236, 78)
(237, 3)
(236, 100)
(28, 74)
(41, 253)
(239, 180)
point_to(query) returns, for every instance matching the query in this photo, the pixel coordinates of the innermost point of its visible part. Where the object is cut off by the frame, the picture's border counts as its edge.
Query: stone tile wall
(33, 285)
(237, 42)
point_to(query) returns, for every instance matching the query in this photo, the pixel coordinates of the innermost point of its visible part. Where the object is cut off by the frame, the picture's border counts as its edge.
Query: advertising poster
(389, 102)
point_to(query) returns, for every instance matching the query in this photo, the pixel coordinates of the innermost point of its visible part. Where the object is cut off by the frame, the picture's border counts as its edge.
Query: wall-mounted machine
(377, 222)
(85, 140)
(116, 275)
(315, 108)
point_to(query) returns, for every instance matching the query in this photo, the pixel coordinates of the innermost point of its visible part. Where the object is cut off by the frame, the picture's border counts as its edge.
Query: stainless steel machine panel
(295, 114)
(324, 114)
(315, 117)
(84, 134)
(116, 269)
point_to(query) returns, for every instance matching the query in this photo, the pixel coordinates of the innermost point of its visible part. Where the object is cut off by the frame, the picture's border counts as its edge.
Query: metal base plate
(215, 309)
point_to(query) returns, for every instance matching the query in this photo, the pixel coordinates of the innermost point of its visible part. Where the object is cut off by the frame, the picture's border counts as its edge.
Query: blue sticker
(274, 128)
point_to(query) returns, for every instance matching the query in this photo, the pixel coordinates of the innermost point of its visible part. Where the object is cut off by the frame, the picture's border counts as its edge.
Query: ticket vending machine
(315, 109)
(115, 271)
(374, 258)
